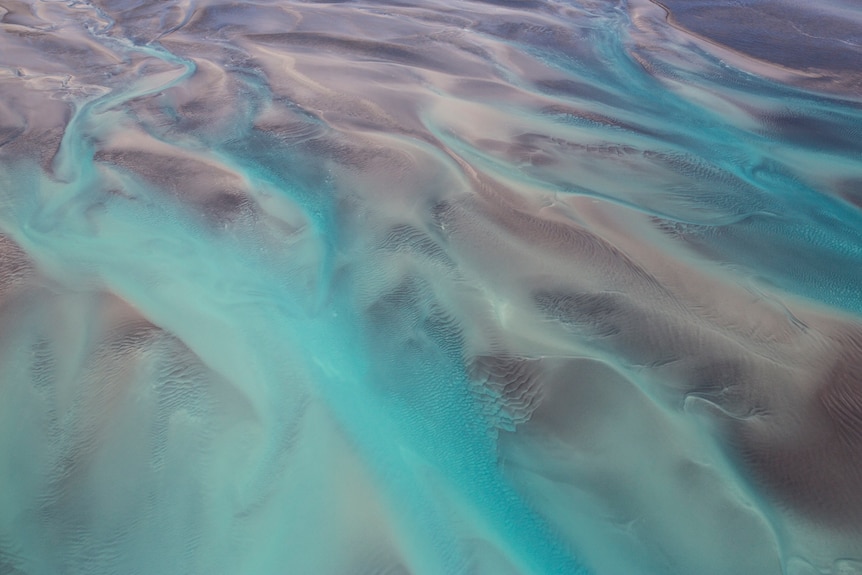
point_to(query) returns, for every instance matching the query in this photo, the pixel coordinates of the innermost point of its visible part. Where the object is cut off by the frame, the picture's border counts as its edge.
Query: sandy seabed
(438, 288)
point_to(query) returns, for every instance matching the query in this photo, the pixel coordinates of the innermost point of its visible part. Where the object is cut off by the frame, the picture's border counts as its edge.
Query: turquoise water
(440, 288)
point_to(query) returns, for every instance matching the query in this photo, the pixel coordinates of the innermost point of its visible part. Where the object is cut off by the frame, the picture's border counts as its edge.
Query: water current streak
(451, 287)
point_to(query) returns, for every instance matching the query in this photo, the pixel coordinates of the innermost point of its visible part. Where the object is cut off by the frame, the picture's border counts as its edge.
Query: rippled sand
(473, 287)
